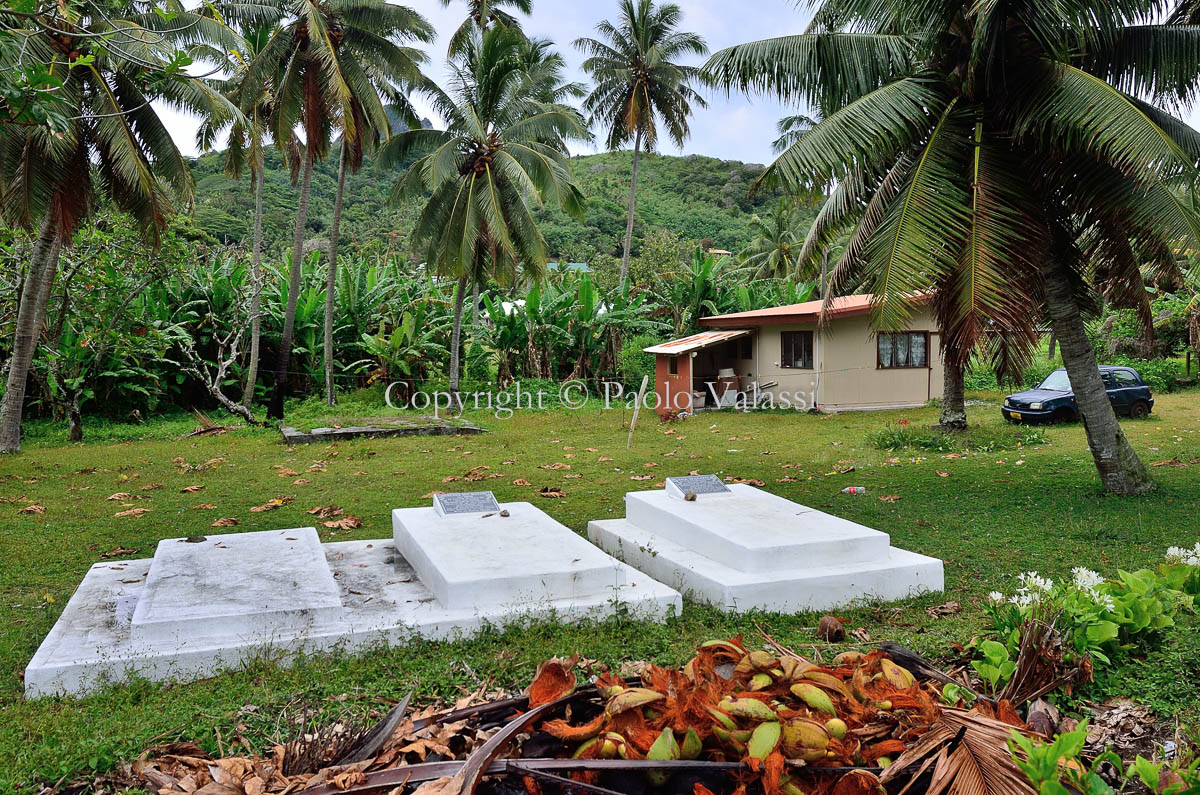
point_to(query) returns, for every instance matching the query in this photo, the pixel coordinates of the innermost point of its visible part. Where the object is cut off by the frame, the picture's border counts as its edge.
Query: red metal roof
(807, 312)
(695, 342)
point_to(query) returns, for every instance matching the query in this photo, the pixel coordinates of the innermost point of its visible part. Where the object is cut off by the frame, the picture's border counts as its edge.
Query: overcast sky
(733, 128)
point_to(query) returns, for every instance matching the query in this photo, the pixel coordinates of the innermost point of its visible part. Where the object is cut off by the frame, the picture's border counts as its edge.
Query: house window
(903, 349)
(797, 349)
(673, 365)
(745, 348)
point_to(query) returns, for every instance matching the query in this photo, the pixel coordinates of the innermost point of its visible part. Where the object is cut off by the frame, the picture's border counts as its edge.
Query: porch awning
(696, 342)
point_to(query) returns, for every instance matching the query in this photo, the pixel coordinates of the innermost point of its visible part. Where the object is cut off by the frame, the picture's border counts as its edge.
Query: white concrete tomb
(205, 604)
(742, 549)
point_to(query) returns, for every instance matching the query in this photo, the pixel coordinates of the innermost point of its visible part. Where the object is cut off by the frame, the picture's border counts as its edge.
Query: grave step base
(902, 574)
(383, 605)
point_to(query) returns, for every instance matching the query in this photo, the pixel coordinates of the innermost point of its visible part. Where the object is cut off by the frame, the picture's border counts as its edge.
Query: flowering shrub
(1098, 617)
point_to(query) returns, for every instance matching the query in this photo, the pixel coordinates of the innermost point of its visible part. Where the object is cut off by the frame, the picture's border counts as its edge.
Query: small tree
(638, 82)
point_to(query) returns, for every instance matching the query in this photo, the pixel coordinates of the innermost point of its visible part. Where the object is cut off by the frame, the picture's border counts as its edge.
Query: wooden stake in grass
(636, 408)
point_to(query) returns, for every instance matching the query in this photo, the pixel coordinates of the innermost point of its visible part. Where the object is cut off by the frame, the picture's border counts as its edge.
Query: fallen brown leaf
(191, 489)
(347, 522)
(151, 487)
(204, 506)
(889, 498)
(521, 482)
(134, 512)
(120, 496)
(227, 521)
(117, 551)
(35, 508)
(326, 511)
(554, 492)
(271, 505)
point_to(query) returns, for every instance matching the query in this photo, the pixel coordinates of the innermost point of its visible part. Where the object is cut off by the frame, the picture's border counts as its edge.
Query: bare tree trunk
(954, 410)
(74, 419)
(275, 409)
(637, 145)
(456, 340)
(256, 291)
(331, 281)
(1120, 469)
(35, 293)
(1050, 346)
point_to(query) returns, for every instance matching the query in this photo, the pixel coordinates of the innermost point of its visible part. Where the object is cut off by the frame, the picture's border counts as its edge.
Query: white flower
(1190, 557)
(1086, 579)
(996, 596)
(1033, 580)
(1023, 598)
(1106, 601)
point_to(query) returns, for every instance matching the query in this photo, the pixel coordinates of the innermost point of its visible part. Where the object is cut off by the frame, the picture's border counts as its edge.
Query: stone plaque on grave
(700, 484)
(465, 502)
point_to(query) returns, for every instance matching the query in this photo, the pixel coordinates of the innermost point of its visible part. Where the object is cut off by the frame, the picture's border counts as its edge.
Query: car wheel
(1063, 415)
(1139, 410)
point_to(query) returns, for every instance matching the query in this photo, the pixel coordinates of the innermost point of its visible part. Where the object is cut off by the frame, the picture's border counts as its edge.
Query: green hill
(693, 197)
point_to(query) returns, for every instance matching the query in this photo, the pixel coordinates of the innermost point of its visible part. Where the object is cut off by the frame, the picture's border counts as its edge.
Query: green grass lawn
(988, 515)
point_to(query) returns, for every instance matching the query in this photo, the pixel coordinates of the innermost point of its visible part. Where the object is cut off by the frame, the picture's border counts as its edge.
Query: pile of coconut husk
(732, 721)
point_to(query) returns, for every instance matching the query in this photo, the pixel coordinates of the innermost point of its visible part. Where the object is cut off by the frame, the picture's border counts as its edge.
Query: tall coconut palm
(484, 13)
(999, 154)
(502, 153)
(110, 63)
(638, 84)
(350, 156)
(245, 150)
(777, 239)
(325, 63)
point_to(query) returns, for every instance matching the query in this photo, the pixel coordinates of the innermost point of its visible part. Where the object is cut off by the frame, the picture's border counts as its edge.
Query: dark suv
(1053, 401)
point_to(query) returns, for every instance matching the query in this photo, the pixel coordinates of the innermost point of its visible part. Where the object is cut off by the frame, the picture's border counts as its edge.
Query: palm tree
(638, 83)
(484, 13)
(998, 154)
(502, 151)
(245, 150)
(325, 62)
(350, 155)
(110, 63)
(777, 240)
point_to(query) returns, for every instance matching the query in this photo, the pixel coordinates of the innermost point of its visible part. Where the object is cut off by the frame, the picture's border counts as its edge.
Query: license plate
(1014, 415)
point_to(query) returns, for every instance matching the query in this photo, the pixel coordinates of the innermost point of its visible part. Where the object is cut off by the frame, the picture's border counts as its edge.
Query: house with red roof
(795, 357)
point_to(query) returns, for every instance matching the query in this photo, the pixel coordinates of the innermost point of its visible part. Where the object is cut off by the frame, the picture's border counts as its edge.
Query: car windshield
(1057, 382)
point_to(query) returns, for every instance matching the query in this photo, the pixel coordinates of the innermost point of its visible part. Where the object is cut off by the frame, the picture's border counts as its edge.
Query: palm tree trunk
(475, 304)
(256, 290)
(824, 273)
(1121, 471)
(456, 339)
(35, 294)
(331, 282)
(954, 410)
(637, 145)
(283, 359)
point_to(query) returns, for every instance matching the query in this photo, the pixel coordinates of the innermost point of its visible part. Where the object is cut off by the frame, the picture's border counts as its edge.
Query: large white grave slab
(267, 583)
(473, 560)
(131, 618)
(746, 549)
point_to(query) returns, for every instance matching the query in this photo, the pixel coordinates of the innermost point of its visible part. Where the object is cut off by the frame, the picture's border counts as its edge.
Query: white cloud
(733, 128)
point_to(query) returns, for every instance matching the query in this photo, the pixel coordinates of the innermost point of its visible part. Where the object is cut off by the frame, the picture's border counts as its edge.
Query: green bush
(633, 363)
(983, 439)
(1161, 374)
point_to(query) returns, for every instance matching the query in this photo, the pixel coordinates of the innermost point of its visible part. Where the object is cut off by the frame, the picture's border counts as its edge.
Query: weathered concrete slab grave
(207, 603)
(741, 548)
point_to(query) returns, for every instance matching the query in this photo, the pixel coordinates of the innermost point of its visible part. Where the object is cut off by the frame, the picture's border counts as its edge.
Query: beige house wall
(846, 374)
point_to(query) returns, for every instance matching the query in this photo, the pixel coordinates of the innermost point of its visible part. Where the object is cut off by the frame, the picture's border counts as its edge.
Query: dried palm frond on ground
(732, 721)
(1042, 665)
(963, 753)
